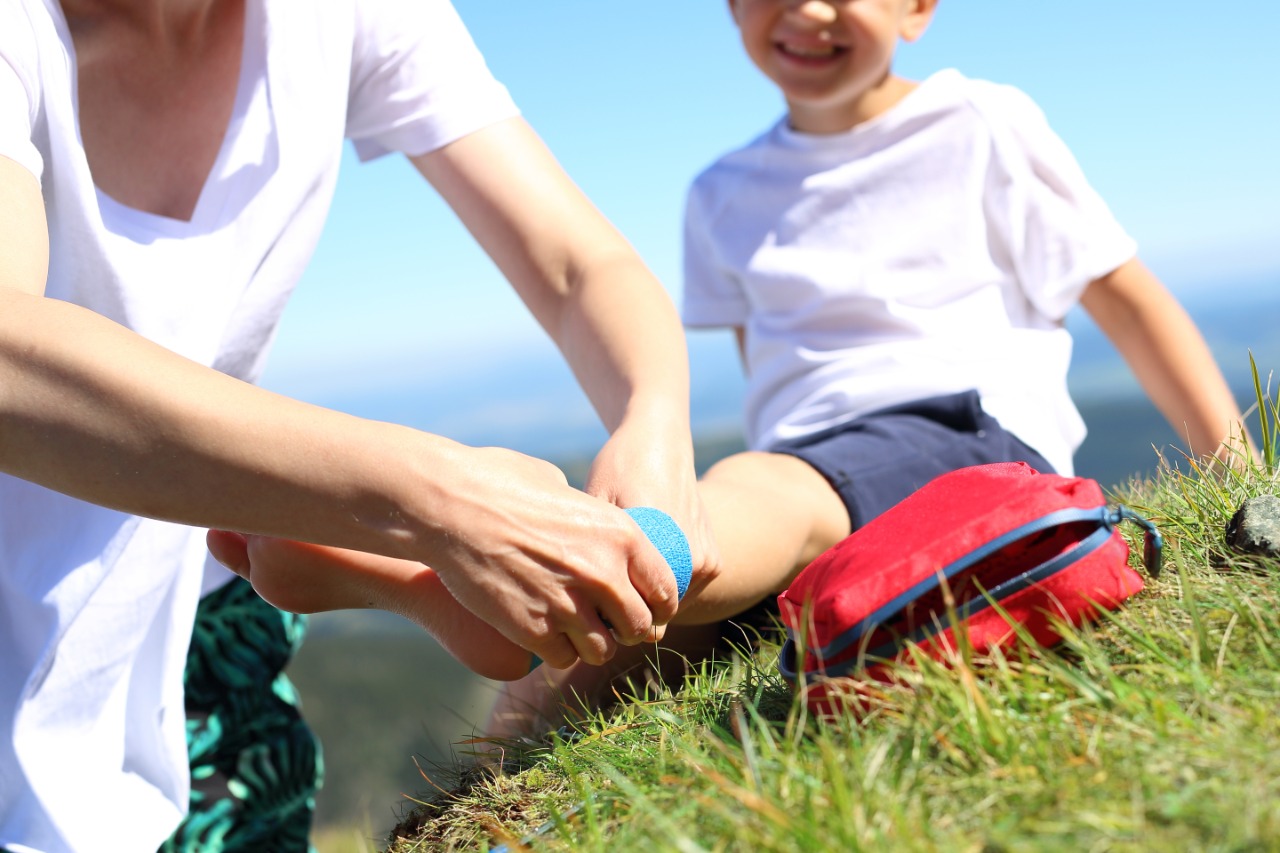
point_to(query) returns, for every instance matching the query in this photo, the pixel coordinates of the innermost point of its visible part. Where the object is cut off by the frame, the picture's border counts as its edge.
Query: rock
(1255, 528)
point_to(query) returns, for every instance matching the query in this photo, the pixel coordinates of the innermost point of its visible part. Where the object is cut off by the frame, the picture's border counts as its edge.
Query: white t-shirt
(96, 606)
(934, 249)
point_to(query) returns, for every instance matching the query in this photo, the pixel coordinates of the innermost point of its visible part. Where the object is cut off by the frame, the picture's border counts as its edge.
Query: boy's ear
(916, 21)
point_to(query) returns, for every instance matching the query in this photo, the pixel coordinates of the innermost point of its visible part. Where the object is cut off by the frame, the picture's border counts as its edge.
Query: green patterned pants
(255, 766)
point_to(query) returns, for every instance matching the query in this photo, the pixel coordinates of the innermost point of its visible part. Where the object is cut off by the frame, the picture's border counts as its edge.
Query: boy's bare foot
(305, 578)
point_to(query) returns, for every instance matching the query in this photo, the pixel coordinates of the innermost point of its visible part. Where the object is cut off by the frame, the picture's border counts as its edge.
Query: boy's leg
(771, 514)
(321, 578)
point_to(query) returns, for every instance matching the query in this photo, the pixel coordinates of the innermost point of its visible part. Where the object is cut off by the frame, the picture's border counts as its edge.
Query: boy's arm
(590, 291)
(1168, 355)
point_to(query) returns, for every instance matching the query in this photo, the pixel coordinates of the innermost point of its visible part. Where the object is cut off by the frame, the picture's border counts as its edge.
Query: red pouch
(1041, 546)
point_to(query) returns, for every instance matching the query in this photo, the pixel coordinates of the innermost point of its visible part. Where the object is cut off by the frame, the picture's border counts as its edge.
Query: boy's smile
(808, 49)
(803, 52)
(831, 58)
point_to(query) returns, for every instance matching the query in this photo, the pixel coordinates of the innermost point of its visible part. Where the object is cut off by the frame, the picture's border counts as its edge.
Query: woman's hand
(555, 571)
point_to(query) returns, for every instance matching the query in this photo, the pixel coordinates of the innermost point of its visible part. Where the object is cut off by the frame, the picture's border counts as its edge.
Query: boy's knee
(748, 467)
(777, 474)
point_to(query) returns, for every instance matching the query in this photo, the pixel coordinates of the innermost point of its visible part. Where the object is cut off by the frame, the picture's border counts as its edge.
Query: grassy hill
(1155, 729)
(388, 703)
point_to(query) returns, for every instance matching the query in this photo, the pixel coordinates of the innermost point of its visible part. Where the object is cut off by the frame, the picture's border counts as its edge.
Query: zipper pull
(1152, 541)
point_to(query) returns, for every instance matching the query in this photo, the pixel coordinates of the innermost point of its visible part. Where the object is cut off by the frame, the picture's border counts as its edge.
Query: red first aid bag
(1042, 547)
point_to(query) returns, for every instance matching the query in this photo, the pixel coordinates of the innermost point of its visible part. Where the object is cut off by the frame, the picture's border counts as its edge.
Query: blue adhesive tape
(670, 541)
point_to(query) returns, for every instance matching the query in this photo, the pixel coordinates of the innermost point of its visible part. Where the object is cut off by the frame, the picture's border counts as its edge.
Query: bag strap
(1107, 518)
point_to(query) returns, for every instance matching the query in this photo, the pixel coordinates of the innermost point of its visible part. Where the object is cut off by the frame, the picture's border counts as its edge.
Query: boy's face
(830, 58)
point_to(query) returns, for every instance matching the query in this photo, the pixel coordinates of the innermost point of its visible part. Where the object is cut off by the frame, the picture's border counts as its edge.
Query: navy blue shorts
(875, 461)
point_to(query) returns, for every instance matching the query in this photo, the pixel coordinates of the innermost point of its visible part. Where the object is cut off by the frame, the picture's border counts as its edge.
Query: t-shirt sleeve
(418, 81)
(1059, 233)
(712, 295)
(19, 97)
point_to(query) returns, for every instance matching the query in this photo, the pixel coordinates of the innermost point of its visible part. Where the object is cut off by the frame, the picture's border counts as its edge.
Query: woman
(165, 170)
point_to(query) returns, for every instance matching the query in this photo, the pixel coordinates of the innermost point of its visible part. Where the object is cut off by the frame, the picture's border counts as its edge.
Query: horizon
(534, 405)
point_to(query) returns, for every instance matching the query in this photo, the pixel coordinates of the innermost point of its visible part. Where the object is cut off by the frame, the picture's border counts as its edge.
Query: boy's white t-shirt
(934, 249)
(96, 606)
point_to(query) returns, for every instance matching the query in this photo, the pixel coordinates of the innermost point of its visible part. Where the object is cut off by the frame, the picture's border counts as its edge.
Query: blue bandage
(669, 539)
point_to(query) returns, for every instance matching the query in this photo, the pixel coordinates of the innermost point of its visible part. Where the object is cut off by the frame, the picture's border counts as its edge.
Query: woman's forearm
(97, 412)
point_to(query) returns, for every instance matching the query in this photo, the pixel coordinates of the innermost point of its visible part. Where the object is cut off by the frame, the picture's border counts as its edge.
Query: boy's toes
(230, 549)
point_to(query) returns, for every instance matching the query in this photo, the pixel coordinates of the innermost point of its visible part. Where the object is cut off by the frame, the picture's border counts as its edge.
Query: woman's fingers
(541, 560)
(557, 652)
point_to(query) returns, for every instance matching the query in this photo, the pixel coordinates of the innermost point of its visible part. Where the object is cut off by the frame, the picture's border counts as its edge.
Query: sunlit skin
(313, 577)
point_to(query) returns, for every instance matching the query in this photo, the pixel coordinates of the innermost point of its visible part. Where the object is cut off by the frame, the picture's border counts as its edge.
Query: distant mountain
(532, 403)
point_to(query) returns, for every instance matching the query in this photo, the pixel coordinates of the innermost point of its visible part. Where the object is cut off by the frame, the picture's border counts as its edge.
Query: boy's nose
(818, 12)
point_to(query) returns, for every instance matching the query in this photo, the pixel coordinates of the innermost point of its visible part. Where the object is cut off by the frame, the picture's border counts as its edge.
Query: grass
(1153, 729)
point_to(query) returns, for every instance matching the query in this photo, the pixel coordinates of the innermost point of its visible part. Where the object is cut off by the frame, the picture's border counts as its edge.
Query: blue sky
(1171, 109)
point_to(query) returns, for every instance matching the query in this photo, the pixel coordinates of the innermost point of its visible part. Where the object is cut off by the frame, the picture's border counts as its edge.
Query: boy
(896, 260)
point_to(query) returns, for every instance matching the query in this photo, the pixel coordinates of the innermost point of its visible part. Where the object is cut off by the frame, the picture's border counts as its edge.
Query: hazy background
(1170, 108)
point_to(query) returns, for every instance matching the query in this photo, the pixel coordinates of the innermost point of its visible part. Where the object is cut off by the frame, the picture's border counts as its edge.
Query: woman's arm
(610, 317)
(95, 411)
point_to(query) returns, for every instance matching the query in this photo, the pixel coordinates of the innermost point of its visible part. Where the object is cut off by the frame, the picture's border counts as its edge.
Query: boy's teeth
(825, 50)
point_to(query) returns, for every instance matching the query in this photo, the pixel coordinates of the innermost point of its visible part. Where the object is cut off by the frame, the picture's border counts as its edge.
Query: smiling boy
(896, 260)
